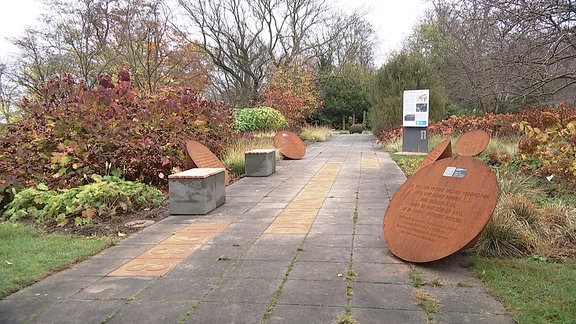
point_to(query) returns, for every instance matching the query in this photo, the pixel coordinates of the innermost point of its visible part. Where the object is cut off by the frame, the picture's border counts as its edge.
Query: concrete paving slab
(338, 212)
(329, 240)
(373, 228)
(232, 209)
(179, 288)
(243, 199)
(115, 288)
(331, 229)
(162, 228)
(370, 216)
(180, 219)
(272, 252)
(313, 270)
(373, 255)
(123, 251)
(227, 313)
(259, 269)
(243, 290)
(390, 273)
(369, 241)
(280, 239)
(152, 311)
(383, 295)
(448, 318)
(246, 227)
(67, 311)
(235, 239)
(262, 216)
(146, 238)
(58, 286)
(199, 267)
(455, 299)
(314, 293)
(324, 253)
(393, 316)
(214, 252)
(269, 205)
(333, 203)
(304, 314)
(96, 267)
(22, 311)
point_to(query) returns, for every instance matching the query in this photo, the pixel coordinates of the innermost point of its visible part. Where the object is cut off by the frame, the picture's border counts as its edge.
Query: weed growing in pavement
(428, 302)
(416, 277)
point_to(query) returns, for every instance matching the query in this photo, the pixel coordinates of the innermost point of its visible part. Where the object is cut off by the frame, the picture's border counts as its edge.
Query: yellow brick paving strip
(300, 213)
(163, 257)
(370, 162)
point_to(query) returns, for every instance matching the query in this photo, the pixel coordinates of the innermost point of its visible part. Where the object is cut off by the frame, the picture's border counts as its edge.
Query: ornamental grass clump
(233, 155)
(522, 225)
(315, 133)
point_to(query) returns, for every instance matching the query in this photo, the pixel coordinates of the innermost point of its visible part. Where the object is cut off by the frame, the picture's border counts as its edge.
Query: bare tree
(88, 37)
(37, 61)
(245, 39)
(352, 45)
(8, 94)
(506, 53)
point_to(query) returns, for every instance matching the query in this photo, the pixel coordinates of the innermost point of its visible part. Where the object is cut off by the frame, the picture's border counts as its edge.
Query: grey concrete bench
(259, 163)
(196, 191)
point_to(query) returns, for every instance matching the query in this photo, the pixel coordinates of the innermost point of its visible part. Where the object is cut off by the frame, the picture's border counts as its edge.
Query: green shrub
(105, 197)
(259, 119)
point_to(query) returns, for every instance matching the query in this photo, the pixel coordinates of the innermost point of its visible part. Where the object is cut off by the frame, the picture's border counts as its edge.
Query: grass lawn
(535, 292)
(28, 255)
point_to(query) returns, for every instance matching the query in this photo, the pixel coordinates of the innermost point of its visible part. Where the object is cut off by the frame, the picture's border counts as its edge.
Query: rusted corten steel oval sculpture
(290, 145)
(441, 151)
(440, 209)
(199, 156)
(472, 143)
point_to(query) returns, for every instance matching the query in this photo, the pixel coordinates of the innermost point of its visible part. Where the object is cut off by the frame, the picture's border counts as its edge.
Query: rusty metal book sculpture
(440, 209)
(472, 143)
(199, 156)
(441, 151)
(290, 145)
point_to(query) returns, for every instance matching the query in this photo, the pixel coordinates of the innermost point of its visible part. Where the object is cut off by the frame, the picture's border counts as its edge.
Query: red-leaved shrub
(71, 132)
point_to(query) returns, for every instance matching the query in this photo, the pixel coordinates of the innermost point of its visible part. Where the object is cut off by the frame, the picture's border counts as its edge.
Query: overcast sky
(392, 19)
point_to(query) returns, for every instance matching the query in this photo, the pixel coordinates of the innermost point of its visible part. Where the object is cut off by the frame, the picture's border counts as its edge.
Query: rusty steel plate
(472, 143)
(441, 151)
(441, 209)
(199, 156)
(290, 145)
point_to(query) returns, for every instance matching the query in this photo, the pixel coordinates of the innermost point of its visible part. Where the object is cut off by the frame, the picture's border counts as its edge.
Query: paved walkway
(303, 245)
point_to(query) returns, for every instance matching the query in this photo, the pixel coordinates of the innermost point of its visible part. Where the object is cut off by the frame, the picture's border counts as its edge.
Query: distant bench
(260, 162)
(196, 191)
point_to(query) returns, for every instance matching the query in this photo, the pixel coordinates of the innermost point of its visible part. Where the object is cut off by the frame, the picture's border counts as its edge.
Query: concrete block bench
(196, 191)
(260, 163)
